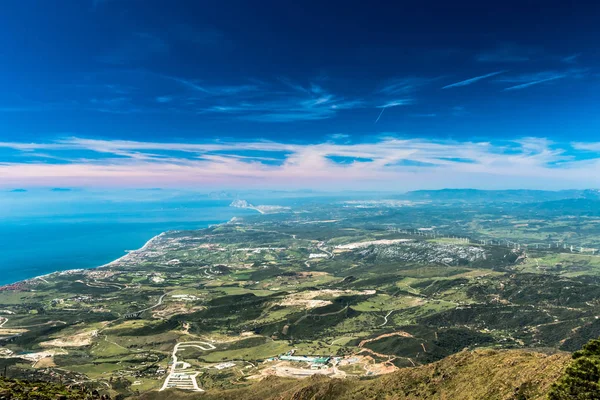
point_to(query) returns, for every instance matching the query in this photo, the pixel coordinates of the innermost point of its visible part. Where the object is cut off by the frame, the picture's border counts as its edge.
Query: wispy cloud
(532, 83)
(111, 101)
(293, 85)
(571, 59)
(286, 102)
(458, 111)
(590, 146)
(386, 162)
(214, 90)
(100, 88)
(394, 103)
(115, 105)
(339, 137)
(523, 81)
(190, 84)
(403, 86)
(426, 115)
(471, 81)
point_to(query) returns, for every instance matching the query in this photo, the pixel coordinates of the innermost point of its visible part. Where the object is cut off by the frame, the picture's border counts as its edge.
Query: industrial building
(308, 359)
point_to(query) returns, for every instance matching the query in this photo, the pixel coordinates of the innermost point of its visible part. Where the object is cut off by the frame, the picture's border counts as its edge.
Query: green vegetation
(23, 390)
(376, 288)
(581, 379)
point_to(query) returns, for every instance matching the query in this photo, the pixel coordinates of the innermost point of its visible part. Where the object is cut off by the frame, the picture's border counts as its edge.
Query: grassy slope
(472, 375)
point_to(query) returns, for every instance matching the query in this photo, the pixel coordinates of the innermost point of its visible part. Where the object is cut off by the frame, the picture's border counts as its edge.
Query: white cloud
(392, 163)
(591, 147)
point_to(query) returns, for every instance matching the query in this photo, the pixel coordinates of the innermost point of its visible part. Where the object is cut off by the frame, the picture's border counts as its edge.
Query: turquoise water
(47, 235)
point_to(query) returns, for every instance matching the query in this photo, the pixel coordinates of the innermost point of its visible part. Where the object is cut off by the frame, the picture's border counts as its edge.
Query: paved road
(174, 374)
(386, 318)
(31, 326)
(160, 300)
(321, 246)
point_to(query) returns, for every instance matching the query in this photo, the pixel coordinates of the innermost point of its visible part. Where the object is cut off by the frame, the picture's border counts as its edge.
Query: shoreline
(67, 271)
(128, 252)
(144, 247)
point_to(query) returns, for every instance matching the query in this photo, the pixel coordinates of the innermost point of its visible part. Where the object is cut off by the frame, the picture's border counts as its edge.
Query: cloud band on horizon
(384, 163)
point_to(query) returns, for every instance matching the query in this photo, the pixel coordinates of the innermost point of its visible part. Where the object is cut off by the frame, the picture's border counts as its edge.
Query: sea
(53, 231)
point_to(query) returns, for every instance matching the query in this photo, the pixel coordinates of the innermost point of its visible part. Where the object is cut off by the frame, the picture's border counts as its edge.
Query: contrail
(395, 103)
(380, 114)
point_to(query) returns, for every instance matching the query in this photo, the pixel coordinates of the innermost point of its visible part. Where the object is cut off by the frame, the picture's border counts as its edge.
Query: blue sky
(274, 94)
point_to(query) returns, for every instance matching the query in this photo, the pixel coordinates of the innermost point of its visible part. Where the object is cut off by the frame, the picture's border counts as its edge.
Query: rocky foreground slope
(476, 375)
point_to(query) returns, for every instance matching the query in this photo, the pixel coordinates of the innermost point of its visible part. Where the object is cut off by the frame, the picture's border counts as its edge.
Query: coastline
(115, 261)
(128, 252)
(75, 270)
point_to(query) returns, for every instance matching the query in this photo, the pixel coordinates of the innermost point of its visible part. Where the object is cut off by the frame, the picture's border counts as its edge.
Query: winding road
(160, 301)
(385, 318)
(178, 378)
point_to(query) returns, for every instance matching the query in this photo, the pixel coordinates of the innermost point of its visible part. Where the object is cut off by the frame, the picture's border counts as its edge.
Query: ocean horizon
(35, 242)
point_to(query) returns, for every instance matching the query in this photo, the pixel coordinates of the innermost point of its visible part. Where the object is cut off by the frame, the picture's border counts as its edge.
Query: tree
(581, 379)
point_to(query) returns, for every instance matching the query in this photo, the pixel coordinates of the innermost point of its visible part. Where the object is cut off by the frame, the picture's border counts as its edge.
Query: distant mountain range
(509, 196)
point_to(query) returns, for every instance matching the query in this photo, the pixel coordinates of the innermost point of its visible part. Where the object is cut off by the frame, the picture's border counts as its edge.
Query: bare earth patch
(37, 357)
(368, 363)
(307, 299)
(170, 309)
(78, 340)
(11, 331)
(46, 362)
(308, 274)
(398, 333)
(292, 370)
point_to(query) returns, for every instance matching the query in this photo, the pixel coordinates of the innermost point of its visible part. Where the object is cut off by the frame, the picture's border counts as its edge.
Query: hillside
(25, 390)
(479, 374)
